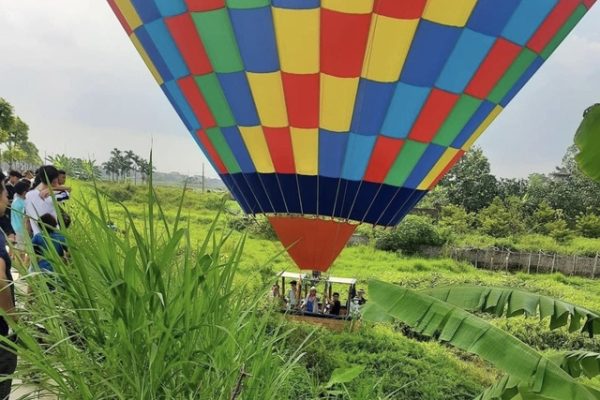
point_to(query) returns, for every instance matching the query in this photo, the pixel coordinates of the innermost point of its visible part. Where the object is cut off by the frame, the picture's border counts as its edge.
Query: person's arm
(6, 299)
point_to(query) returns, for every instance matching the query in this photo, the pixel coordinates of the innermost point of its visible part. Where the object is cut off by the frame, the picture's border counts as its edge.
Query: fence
(532, 262)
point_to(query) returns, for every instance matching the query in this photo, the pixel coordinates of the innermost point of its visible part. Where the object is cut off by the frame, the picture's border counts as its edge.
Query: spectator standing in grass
(17, 214)
(8, 359)
(36, 204)
(5, 224)
(13, 178)
(43, 243)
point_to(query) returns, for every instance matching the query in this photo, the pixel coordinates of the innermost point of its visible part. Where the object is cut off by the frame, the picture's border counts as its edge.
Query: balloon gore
(323, 114)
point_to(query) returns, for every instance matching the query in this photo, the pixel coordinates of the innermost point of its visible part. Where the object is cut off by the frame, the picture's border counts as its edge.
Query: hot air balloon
(325, 114)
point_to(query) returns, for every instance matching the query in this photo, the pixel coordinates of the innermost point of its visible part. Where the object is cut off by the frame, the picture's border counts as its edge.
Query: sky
(71, 73)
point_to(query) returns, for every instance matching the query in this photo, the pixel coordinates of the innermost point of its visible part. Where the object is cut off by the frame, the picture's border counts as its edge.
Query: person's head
(14, 177)
(49, 222)
(293, 283)
(21, 188)
(29, 174)
(336, 296)
(3, 198)
(47, 175)
(313, 291)
(361, 293)
(62, 177)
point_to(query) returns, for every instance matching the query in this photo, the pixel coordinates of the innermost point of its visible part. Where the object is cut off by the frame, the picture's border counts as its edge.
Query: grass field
(397, 365)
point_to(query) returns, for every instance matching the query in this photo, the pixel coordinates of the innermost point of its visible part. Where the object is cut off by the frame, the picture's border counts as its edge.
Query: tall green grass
(144, 314)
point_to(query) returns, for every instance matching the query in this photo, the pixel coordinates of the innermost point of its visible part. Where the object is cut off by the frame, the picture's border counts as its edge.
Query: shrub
(500, 219)
(256, 226)
(409, 236)
(589, 225)
(559, 230)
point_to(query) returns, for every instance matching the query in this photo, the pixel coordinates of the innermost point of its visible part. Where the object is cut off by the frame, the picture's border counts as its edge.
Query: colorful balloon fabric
(326, 113)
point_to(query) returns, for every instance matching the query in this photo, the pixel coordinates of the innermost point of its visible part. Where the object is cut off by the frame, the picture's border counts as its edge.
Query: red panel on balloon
(382, 158)
(499, 59)
(312, 243)
(188, 42)
(432, 116)
(204, 5)
(343, 42)
(280, 147)
(403, 9)
(302, 99)
(589, 3)
(120, 16)
(196, 101)
(557, 18)
(212, 153)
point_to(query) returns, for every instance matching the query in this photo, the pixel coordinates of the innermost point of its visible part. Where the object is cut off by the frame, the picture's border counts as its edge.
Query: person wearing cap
(361, 297)
(292, 299)
(311, 303)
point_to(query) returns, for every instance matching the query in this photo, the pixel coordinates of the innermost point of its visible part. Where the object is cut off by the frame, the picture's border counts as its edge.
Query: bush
(256, 226)
(559, 230)
(412, 233)
(589, 225)
(500, 219)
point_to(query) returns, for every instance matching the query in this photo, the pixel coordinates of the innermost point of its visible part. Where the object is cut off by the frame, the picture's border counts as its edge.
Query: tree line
(16, 150)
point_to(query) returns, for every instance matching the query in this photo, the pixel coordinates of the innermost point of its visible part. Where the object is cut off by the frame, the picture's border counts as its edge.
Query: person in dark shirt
(13, 178)
(5, 224)
(8, 359)
(335, 305)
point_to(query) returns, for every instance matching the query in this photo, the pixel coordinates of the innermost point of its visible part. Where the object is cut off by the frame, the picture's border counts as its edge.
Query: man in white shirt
(292, 298)
(35, 204)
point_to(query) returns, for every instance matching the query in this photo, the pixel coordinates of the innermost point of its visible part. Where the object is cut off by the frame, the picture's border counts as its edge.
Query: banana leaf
(432, 317)
(587, 140)
(513, 302)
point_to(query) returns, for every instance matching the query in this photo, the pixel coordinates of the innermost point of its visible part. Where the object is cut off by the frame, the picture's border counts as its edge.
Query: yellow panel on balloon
(438, 168)
(298, 39)
(255, 141)
(267, 91)
(131, 16)
(305, 143)
(486, 122)
(449, 12)
(338, 96)
(389, 42)
(349, 6)
(147, 60)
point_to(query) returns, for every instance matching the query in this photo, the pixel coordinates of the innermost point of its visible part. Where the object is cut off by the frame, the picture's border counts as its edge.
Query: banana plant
(587, 140)
(442, 314)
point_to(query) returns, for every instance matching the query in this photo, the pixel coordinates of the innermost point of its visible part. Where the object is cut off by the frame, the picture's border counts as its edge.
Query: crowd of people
(312, 303)
(31, 204)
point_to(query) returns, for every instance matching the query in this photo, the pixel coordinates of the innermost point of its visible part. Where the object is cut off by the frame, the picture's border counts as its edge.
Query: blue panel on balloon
(471, 49)
(527, 75)
(409, 205)
(332, 149)
(328, 188)
(491, 16)
(428, 53)
(238, 147)
(273, 189)
(146, 10)
(380, 202)
(404, 110)
(257, 189)
(432, 154)
(372, 102)
(308, 193)
(155, 57)
(255, 36)
(289, 188)
(363, 200)
(168, 8)
(166, 47)
(358, 154)
(526, 20)
(296, 4)
(476, 120)
(237, 92)
(179, 102)
(231, 181)
(401, 198)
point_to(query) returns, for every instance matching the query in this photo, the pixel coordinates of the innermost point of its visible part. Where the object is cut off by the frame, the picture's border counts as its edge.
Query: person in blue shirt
(43, 241)
(17, 214)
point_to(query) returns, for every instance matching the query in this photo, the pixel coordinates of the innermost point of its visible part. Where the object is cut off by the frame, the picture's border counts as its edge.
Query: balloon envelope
(323, 114)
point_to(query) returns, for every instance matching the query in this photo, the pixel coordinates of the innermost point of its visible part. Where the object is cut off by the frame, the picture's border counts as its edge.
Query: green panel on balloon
(462, 112)
(215, 98)
(564, 31)
(403, 166)
(512, 75)
(216, 137)
(219, 40)
(248, 3)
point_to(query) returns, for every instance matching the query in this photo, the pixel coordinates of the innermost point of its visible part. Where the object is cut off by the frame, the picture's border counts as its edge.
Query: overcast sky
(71, 73)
